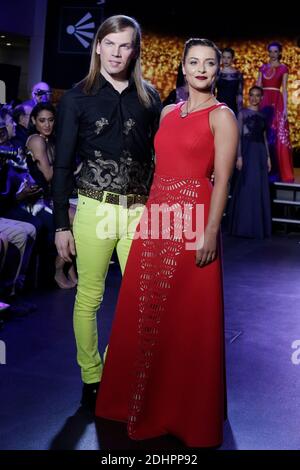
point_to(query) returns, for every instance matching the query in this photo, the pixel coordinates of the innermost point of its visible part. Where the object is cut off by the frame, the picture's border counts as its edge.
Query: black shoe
(89, 395)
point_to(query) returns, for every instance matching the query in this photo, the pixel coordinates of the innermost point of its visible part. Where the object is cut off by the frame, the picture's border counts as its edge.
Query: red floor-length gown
(164, 371)
(278, 133)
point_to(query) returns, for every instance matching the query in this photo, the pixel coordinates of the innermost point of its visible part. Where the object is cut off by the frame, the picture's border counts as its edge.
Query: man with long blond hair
(109, 120)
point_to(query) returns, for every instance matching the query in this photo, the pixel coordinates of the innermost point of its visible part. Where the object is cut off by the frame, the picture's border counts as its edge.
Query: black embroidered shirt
(112, 133)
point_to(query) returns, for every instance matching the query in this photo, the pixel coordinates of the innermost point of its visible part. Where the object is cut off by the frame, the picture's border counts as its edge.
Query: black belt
(125, 200)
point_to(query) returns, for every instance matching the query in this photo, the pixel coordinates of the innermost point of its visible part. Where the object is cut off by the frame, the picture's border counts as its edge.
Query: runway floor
(41, 387)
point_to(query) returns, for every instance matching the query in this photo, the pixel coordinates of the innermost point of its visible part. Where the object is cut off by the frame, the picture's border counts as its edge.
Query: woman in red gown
(272, 77)
(164, 371)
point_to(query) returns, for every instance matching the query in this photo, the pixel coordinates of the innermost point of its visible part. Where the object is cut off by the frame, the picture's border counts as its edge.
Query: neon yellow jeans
(98, 229)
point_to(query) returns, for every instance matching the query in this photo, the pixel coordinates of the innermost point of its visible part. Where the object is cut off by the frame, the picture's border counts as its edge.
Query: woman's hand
(208, 252)
(269, 164)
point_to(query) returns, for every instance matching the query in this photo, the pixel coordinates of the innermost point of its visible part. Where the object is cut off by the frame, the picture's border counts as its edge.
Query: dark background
(187, 18)
(10, 74)
(214, 19)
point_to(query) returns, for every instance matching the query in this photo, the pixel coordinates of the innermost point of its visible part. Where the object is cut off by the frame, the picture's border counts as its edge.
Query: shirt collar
(101, 82)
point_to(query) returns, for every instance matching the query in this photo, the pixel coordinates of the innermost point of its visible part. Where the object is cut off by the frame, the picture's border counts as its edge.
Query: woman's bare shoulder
(223, 112)
(222, 118)
(35, 142)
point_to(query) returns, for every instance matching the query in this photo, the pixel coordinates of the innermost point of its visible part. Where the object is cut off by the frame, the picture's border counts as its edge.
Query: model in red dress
(164, 371)
(272, 78)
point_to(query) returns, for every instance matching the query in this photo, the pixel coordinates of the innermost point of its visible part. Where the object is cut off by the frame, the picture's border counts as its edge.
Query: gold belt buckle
(130, 200)
(109, 199)
(140, 199)
(99, 195)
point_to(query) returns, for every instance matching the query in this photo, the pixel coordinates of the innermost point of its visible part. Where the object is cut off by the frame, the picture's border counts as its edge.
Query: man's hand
(65, 245)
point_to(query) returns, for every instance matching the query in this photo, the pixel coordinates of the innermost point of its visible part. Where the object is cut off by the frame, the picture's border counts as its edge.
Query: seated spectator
(6, 116)
(18, 240)
(21, 199)
(22, 236)
(40, 158)
(21, 115)
(40, 144)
